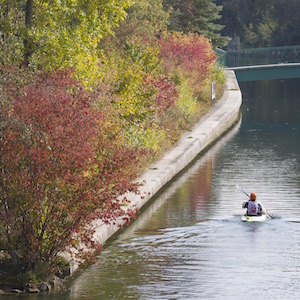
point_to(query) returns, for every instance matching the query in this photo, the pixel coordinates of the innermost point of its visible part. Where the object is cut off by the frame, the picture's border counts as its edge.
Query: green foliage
(187, 103)
(61, 34)
(197, 16)
(217, 74)
(150, 15)
(152, 137)
(12, 23)
(189, 107)
(261, 23)
(129, 80)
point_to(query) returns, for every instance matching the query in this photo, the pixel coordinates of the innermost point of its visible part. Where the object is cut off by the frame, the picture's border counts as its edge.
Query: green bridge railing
(259, 56)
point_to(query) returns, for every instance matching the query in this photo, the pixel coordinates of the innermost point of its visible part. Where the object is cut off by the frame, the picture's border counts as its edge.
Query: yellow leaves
(187, 102)
(86, 66)
(154, 138)
(151, 138)
(60, 30)
(85, 174)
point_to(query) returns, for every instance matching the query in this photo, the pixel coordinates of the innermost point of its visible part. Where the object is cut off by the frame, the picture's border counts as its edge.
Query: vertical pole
(213, 92)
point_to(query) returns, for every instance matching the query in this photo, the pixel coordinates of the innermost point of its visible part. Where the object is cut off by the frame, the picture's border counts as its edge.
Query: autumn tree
(58, 34)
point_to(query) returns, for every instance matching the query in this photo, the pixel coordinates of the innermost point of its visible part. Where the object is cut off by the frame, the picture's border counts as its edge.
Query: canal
(189, 242)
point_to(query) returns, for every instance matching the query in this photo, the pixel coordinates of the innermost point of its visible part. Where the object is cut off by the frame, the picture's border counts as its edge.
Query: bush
(61, 167)
(187, 56)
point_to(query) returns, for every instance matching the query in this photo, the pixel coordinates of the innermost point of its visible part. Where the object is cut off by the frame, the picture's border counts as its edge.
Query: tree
(247, 20)
(58, 34)
(286, 15)
(149, 14)
(197, 16)
(261, 23)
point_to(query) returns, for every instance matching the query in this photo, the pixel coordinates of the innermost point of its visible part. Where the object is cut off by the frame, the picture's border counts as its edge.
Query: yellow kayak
(246, 218)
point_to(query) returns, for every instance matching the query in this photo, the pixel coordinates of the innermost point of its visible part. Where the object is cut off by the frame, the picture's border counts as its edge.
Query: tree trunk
(11, 249)
(27, 40)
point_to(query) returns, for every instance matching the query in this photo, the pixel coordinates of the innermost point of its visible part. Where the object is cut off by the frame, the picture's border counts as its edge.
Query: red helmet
(253, 196)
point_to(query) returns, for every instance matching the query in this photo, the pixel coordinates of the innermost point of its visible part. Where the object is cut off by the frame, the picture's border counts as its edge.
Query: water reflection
(276, 101)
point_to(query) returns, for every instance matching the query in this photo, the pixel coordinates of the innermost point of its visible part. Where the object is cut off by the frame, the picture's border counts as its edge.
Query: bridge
(262, 63)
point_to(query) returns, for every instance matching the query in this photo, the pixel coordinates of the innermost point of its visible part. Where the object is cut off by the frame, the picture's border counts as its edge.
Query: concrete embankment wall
(221, 117)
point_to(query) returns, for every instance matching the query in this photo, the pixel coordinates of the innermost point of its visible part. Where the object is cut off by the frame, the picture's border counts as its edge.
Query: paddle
(243, 191)
(250, 198)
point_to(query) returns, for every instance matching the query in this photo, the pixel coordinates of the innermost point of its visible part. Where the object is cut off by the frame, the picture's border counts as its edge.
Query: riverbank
(219, 119)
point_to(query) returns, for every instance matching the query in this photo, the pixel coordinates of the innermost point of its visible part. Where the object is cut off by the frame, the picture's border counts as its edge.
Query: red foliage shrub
(191, 53)
(60, 168)
(162, 90)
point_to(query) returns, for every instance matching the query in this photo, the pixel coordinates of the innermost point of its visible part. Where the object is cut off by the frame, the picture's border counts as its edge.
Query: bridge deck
(264, 72)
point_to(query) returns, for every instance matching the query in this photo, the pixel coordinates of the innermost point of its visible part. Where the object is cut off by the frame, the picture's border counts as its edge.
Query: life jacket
(252, 209)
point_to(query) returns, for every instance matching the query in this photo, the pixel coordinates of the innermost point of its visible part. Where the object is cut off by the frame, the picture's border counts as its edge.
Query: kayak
(246, 218)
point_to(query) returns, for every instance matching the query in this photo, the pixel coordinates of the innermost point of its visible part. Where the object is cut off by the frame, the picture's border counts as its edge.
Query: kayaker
(254, 208)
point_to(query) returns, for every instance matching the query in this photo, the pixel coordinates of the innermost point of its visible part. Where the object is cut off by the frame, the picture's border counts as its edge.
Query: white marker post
(213, 92)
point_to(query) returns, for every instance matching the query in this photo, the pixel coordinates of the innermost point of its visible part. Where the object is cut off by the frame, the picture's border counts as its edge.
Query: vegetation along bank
(91, 95)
